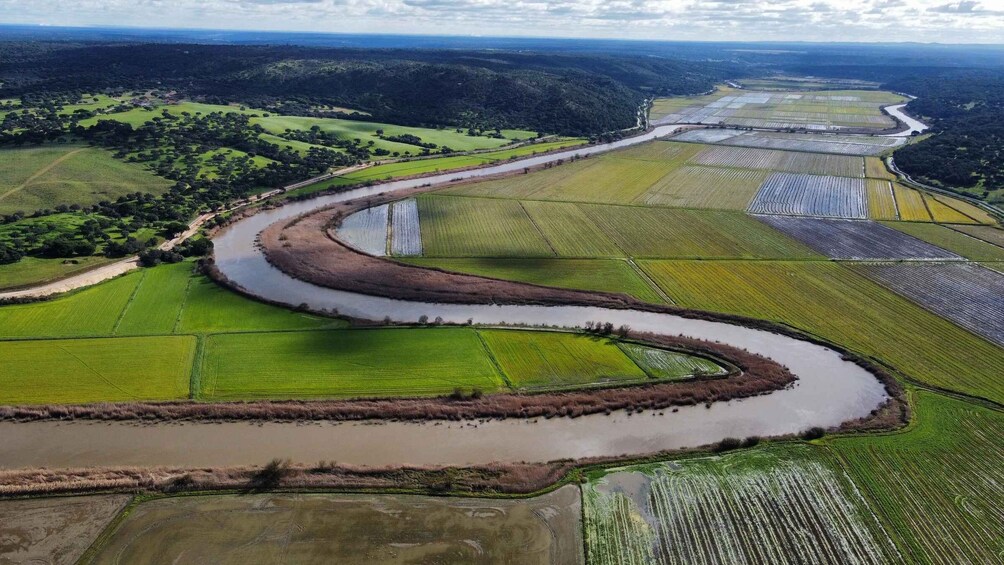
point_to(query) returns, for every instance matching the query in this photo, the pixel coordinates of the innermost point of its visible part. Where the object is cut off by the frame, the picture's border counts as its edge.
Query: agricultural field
(881, 200)
(491, 227)
(95, 370)
(875, 168)
(814, 142)
(366, 230)
(910, 204)
(603, 275)
(406, 236)
(832, 301)
(826, 110)
(811, 195)
(994, 235)
(858, 239)
(951, 238)
(942, 212)
(345, 528)
(781, 161)
(965, 293)
(975, 214)
(54, 531)
(936, 486)
(670, 365)
(345, 363)
(558, 360)
(44, 177)
(705, 187)
(779, 505)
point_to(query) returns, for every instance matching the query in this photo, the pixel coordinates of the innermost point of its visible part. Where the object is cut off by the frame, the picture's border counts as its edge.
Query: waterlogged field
(782, 161)
(857, 239)
(811, 195)
(830, 300)
(967, 294)
(366, 230)
(604, 275)
(813, 111)
(53, 531)
(671, 365)
(814, 142)
(406, 236)
(954, 239)
(765, 506)
(43, 177)
(937, 486)
(346, 528)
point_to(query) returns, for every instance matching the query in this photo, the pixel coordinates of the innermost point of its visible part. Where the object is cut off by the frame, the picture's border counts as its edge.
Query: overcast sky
(951, 21)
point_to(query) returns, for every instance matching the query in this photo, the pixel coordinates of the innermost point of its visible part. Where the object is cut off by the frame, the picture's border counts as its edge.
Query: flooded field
(53, 531)
(349, 528)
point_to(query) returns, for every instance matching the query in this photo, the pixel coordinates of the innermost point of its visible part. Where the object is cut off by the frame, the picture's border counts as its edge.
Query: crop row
(783, 161)
(705, 187)
(406, 236)
(965, 293)
(366, 230)
(832, 301)
(856, 239)
(811, 195)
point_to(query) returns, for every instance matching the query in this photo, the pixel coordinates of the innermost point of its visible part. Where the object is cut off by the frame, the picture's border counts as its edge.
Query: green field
(936, 487)
(493, 227)
(31, 271)
(534, 360)
(670, 365)
(345, 363)
(44, 177)
(778, 505)
(956, 241)
(95, 370)
(604, 275)
(832, 301)
(994, 235)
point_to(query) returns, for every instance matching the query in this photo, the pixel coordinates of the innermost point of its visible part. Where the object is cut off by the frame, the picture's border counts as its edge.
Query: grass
(30, 271)
(776, 505)
(536, 360)
(831, 301)
(44, 177)
(345, 363)
(947, 238)
(936, 487)
(467, 227)
(604, 275)
(95, 370)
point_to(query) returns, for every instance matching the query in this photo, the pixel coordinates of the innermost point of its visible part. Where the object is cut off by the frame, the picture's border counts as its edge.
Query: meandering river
(829, 389)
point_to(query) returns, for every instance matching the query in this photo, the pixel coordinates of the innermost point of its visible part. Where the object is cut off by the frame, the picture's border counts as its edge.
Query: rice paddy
(766, 506)
(937, 485)
(910, 204)
(993, 235)
(811, 195)
(603, 275)
(781, 161)
(814, 142)
(704, 187)
(345, 528)
(54, 531)
(832, 301)
(477, 227)
(881, 200)
(857, 239)
(954, 239)
(406, 237)
(366, 230)
(965, 293)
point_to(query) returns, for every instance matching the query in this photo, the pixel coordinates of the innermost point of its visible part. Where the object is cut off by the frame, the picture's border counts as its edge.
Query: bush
(727, 444)
(154, 257)
(813, 433)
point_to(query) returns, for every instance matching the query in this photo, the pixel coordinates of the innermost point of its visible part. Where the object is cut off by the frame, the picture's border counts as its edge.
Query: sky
(943, 21)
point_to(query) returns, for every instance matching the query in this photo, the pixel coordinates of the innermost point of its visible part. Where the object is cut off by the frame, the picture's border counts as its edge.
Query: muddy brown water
(829, 391)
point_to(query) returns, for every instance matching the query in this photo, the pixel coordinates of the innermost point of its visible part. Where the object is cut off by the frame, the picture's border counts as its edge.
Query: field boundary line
(494, 361)
(648, 280)
(536, 227)
(96, 372)
(181, 311)
(973, 237)
(895, 203)
(41, 172)
(125, 309)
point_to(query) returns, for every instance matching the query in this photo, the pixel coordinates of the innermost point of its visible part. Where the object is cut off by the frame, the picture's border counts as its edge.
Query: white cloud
(952, 21)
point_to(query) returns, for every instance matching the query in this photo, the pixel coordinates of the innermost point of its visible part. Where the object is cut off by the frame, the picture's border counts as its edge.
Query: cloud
(796, 20)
